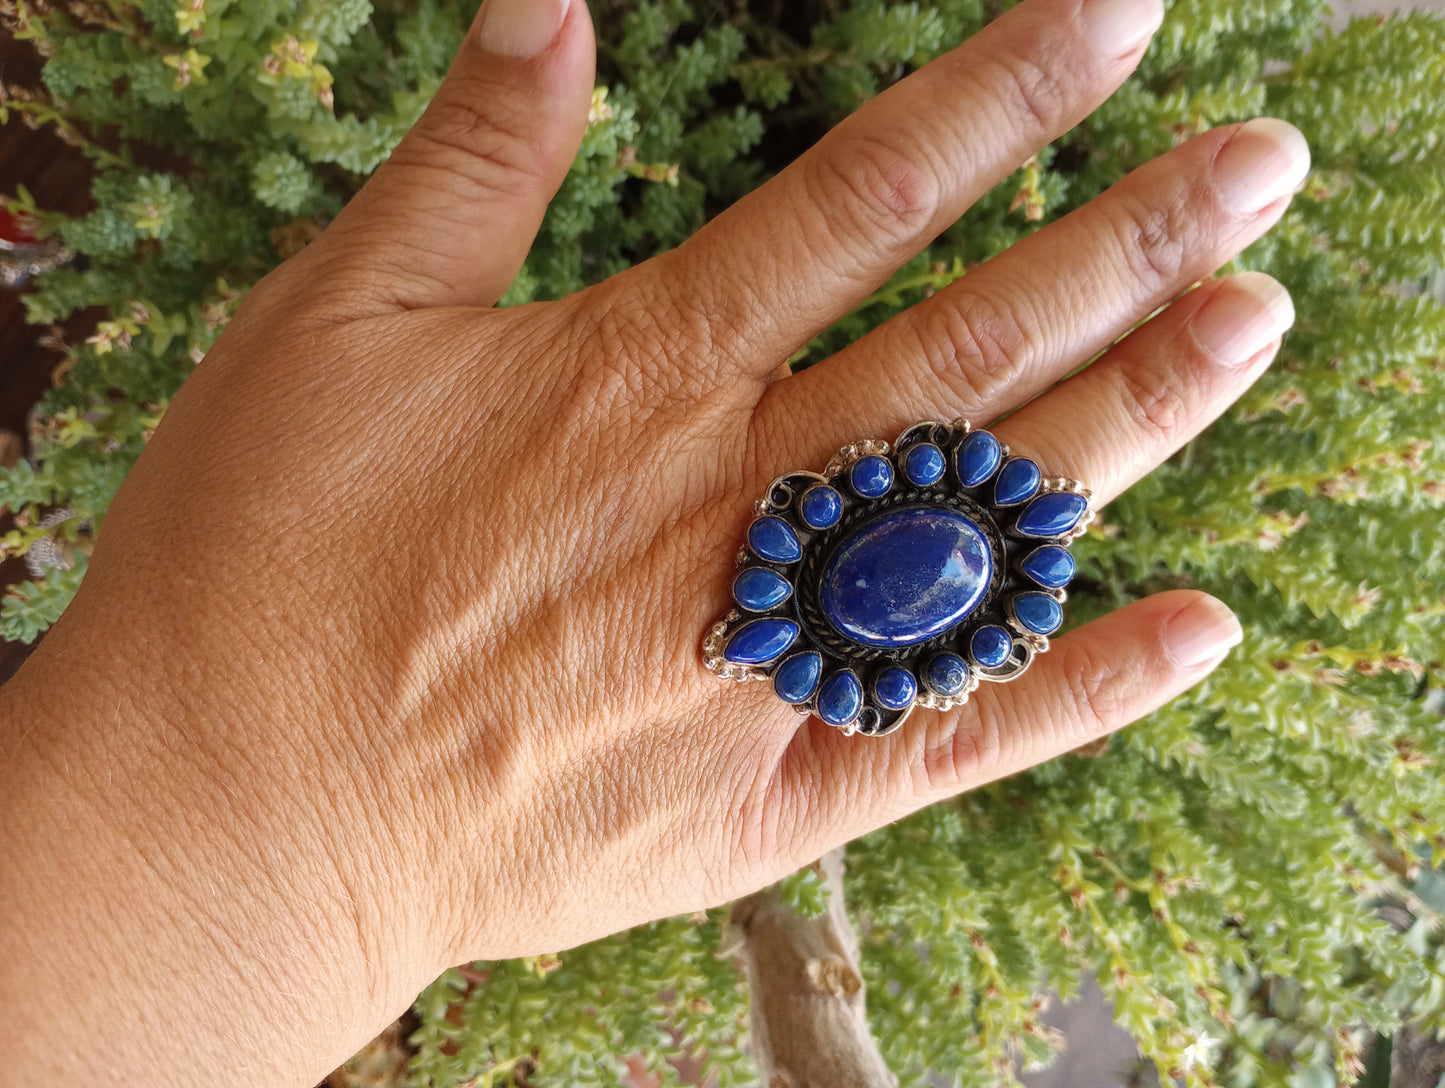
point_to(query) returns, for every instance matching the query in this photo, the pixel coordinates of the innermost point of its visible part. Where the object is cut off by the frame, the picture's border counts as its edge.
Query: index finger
(796, 254)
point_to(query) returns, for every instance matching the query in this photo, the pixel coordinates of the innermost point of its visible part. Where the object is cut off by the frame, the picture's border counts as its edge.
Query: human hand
(411, 589)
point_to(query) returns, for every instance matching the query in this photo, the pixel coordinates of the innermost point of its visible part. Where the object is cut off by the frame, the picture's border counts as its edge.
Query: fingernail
(1201, 632)
(1116, 27)
(520, 28)
(1265, 160)
(1247, 312)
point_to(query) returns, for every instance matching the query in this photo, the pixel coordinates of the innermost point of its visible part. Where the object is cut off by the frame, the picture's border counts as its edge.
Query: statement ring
(900, 576)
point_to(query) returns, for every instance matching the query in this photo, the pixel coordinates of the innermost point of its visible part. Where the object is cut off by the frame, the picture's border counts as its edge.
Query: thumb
(449, 218)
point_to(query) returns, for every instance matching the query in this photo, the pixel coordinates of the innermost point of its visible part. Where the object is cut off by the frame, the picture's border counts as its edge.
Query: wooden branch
(807, 1026)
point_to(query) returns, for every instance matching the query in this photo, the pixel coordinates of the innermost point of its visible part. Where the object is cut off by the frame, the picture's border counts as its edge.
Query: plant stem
(808, 1027)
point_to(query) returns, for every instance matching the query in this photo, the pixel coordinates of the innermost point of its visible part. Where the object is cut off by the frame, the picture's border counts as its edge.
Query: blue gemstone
(924, 464)
(978, 457)
(947, 674)
(774, 540)
(797, 678)
(1053, 514)
(991, 646)
(1039, 612)
(1050, 566)
(760, 588)
(871, 477)
(759, 641)
(895, 688)
(1018, 481)
(820, 507)
(840, 698)
(906, 576)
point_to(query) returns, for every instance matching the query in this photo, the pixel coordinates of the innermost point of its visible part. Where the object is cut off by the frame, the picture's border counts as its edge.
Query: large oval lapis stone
(906, 576)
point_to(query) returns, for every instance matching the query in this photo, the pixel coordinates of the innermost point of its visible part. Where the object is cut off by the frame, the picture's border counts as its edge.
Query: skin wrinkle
(402, 257)
(1035, 96)
(1153, 402)
(957, 745)
(973, 347)
(878, 193)
(474, 138)
(1152, 235)
(674, 334)
(749, 836)
(616, 504)
(644, 578)
(625, 365)
(486, 613)
(1100, 693)
(205, 923)
(977, 745)
(594, 805)
(688, 815)
(709, 258)
(723, 350)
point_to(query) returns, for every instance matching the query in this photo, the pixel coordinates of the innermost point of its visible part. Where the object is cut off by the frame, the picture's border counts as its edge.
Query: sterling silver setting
(902, 575)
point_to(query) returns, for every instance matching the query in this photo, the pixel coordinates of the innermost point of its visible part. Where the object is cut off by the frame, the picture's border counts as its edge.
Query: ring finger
(1109, 425)
(1114, 422)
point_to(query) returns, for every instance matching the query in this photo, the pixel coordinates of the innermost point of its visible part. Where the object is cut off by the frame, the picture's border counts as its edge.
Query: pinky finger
(1093, 681)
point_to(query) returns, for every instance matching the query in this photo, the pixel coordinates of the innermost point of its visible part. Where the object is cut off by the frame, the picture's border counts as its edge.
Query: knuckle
(381, 268)
(1151, 237)
(872, 190)
(625, 363)
(968, 748)
(647, 341)
(1152, 397)
(972, 345)
(1032, 92)
(471, 141)
(1094, 690)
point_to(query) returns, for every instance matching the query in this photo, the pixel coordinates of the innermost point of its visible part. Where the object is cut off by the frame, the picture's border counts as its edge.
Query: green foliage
(1218, 866)
(655, 993)
(34, 606)
(805, 892)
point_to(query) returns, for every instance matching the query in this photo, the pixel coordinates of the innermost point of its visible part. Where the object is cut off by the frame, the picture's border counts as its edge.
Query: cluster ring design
(902, 575)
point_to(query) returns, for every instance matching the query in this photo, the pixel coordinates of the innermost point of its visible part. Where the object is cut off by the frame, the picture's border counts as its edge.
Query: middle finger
(1021, 321)
(799, 252)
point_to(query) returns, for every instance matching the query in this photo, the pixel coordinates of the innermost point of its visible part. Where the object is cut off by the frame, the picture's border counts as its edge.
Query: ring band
(900, 576)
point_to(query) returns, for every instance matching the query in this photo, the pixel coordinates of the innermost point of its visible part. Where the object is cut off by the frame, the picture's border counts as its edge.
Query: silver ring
(900, 576)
